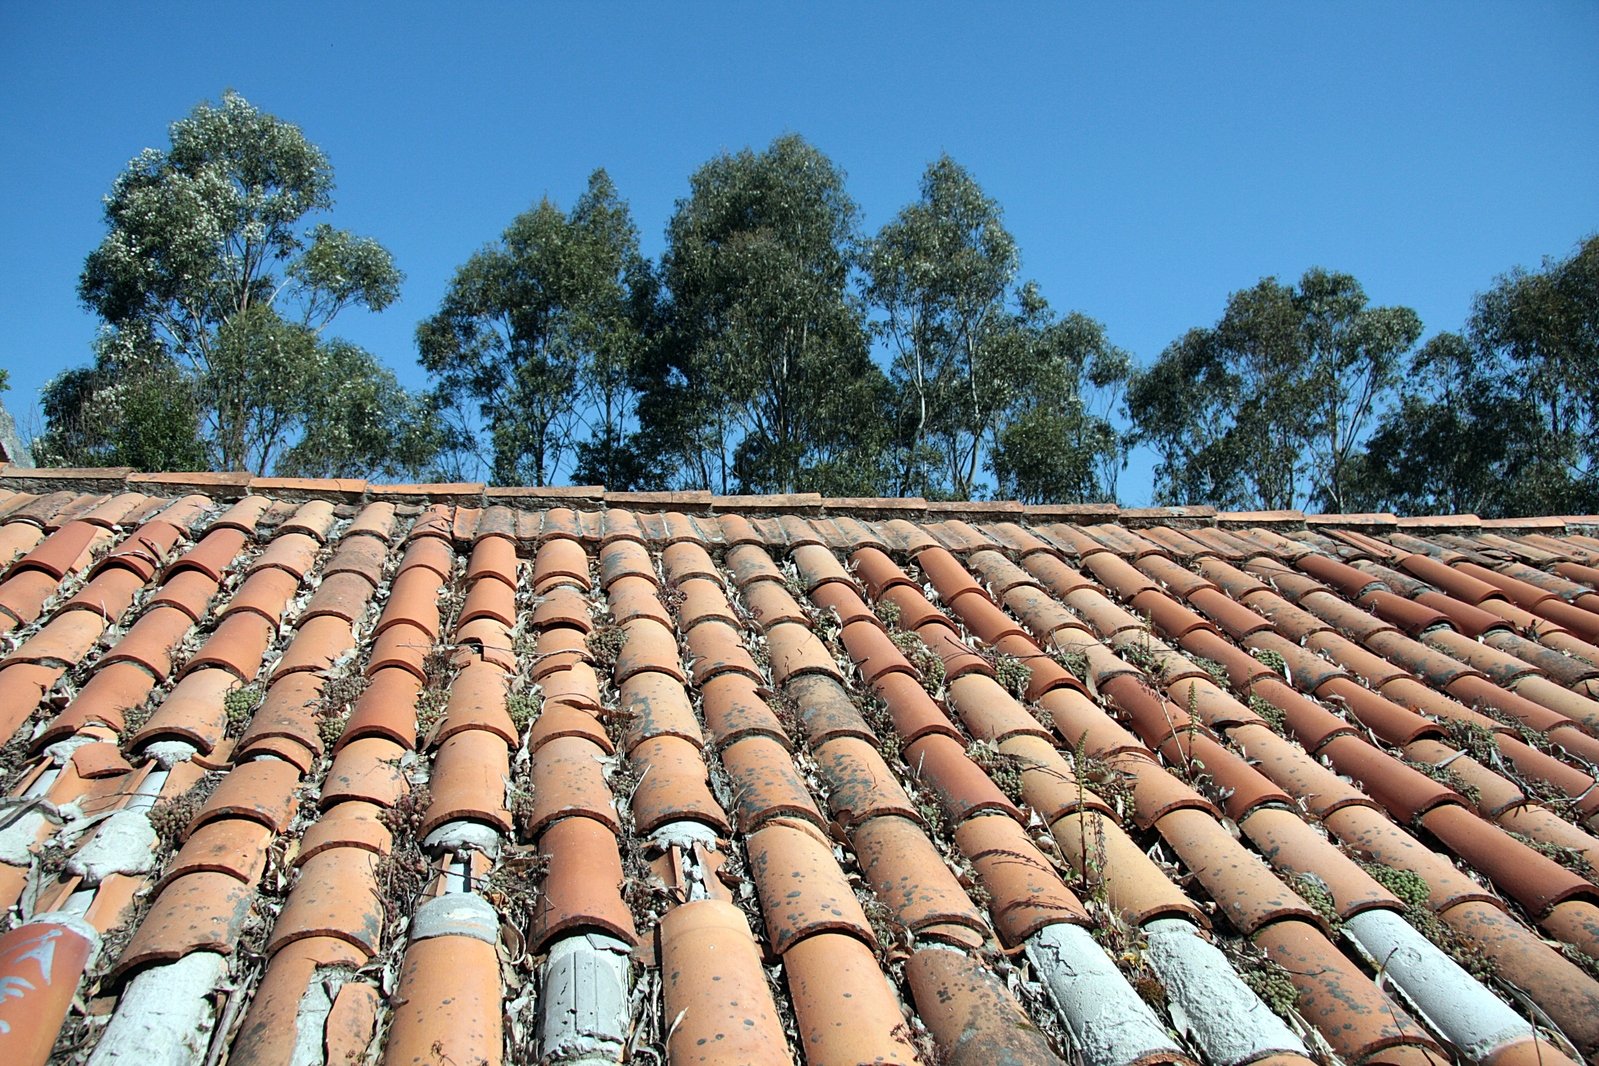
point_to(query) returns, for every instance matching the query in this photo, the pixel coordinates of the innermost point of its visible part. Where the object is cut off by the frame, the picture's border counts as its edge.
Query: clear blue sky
(1149, 161)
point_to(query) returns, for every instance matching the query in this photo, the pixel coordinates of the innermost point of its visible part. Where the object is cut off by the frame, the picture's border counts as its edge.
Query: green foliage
(1502, 419)
(133, 406)
(216, 295)
(537, 338)
(988, 378)
(760, 379)
(1269, 407)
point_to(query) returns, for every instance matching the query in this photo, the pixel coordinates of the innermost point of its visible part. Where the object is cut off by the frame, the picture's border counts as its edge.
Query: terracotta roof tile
(1321, 690)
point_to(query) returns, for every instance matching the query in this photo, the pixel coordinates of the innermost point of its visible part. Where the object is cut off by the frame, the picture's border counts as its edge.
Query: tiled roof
(327, 771)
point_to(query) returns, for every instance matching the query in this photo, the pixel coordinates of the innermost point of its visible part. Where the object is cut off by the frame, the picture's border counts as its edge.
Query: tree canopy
(537, 337)
(211, 275)
(1502, 418)
(775, 347)
(1268, 407)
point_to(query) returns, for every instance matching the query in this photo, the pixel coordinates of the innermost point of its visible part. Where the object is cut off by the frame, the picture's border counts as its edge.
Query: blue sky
(1150, 159)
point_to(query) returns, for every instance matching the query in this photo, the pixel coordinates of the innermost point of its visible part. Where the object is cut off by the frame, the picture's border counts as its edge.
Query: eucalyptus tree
(941, 271)
(1270, 407)
(537, 334)
(1501, 419)
(762, 379)
(213, 260)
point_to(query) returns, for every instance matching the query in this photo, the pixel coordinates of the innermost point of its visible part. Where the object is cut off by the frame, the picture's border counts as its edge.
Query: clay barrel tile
(560, 648)
(568, 780)
(961, 786)
(468, 781)
(683, 560)
(915, 612)
(337, 895)
(22, 598)
(108, 696)
(1335, 997)
(770, 604)
(61, 552)
(973, 1019)
(655, 705)
(265, 592)
(211, 554)
(314, 519)
(877, 571)
(911, 709)
(318, 644)
(1157, 792)
(907, 873)
(873, 652)
(795, 651)
(492, 556)
(1246, 787)
(704, 601)
(827, 710)
(477, 700)
(802, 889)
(1049, 785)
(262, 790)
(846, 603)
(402, 645)
(560, 562)
(1406, 792)
(429, 553)
(649, 646)
(34, 1010)
(582, 886)
(564, 720)
(765, 783)
(1372, 837)
(1136, 886)
(447, 1005)
(1532, 879)
(846, 1012)
(730, 1018)
(243, 515)
(749, 563)
(436, 522)
(958, 659)
(1240, 883)
(195, 710)
(386, 708)
(490, 599)
(413, 599)
(818, 566)
(294, 553)
(65, 639)
(860, 784)
(1239, 621)
(623, 557)
(367, 769)
(189, 593)
(198, 912)
(99, 759)
(1290, 768)
(631, 597)
(354, 825)
(233, 846)
(734, 709)
(342, 595)
(237, 645)
(985, 621)
(108, 595)
(563, 606)
(716, 650)
(989, 712)
(1025, 892)
(575, 686)
(672, 785)
(1291, 845)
